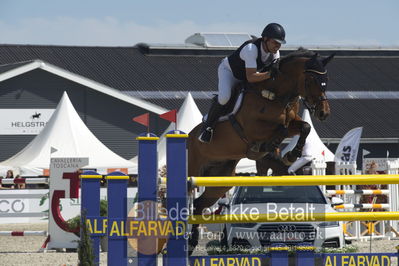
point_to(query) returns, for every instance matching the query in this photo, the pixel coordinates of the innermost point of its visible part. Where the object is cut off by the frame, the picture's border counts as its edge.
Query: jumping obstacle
(305, 180)
(358, 192)
(18, 213)
(147, 197)
(23, 233)
(362, 206)
(118, 228)
(14, 181)
(14, 206)
(350, 194)
(18, 206)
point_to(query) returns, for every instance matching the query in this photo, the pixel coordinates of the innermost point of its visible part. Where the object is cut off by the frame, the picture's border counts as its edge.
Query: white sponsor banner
(349, 146)
(23, 121)
(62, 188)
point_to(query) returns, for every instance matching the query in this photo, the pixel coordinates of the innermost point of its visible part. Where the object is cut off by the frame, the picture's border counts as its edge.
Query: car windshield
(279, 194)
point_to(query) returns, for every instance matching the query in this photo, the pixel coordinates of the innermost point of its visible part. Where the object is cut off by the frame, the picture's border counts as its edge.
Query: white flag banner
(349, 146)
(365, 152)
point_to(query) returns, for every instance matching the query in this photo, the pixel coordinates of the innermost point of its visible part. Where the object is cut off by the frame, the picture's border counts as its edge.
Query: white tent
(188, 117)
(314, 147)
(65, 135)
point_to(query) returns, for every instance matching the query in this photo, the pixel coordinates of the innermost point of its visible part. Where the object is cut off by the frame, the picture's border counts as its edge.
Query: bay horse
(268, 115)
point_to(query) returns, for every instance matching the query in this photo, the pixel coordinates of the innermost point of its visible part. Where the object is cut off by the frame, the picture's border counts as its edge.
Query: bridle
(321, 78)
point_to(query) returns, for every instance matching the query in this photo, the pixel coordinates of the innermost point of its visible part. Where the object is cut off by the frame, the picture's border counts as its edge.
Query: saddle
(234, 104)
(255, 150)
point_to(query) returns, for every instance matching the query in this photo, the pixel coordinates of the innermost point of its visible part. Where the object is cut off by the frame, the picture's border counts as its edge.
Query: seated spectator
(19, 185)
(10, 174)
(372, 168)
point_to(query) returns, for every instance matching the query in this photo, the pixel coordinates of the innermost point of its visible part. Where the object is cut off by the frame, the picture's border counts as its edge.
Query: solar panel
(218, 39)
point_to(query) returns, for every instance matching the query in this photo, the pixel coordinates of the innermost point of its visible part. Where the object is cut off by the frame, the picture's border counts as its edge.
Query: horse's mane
(301, 52)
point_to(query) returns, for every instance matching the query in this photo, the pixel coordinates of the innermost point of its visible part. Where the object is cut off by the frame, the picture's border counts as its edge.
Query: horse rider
(245, 64)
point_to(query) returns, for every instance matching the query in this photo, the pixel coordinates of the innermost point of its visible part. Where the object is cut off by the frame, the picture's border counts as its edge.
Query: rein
(315, 71)
(322, 80)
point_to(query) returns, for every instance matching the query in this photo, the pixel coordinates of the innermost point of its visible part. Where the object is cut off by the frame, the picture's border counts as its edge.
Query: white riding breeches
(227, 82)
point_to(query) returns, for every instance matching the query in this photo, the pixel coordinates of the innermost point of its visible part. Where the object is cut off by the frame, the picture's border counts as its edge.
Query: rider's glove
(274, 69)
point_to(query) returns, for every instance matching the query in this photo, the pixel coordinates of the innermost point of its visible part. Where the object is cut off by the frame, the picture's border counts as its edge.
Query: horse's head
(315, 85)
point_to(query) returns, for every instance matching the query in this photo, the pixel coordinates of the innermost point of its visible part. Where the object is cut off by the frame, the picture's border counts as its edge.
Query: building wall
(109, 119)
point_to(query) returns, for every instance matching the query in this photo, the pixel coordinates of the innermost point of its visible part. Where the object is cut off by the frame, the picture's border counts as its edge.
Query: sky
(345, 23)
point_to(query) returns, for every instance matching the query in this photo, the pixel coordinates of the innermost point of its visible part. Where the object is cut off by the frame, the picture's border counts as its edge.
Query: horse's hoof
(295, 153)
(289, 158)
(285, 161)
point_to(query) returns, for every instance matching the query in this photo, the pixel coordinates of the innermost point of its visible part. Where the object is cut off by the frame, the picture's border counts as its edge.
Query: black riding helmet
(274, 31)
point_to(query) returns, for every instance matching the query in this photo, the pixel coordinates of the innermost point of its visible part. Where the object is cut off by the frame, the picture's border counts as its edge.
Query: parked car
(280, 199)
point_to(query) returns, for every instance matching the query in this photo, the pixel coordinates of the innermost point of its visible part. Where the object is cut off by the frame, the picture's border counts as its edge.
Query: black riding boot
(210, 123)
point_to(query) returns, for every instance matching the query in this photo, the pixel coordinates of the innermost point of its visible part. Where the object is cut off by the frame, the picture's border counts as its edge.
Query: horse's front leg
(296, 127)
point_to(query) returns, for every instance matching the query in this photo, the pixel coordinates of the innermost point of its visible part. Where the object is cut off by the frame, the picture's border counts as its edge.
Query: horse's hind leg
(210, 195)
(272, 161)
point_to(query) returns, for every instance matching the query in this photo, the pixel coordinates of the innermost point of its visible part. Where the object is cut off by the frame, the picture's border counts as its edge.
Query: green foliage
(103, 208)
(85, 246)
(214, 248)
(346, 249)
(75, 221)
(44, 198)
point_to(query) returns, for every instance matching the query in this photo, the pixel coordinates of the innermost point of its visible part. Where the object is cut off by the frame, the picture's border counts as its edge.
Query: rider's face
(272, 46)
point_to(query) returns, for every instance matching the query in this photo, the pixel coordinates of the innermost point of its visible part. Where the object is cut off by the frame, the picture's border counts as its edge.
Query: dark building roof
(142, 69)
(8, 67)
(163, 75)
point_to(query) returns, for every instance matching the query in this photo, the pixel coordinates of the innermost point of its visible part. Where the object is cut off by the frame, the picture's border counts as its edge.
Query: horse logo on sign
(36, 115)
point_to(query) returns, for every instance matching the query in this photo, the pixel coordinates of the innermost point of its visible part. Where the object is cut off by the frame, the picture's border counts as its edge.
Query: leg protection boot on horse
(291, 156)
(207, 129)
